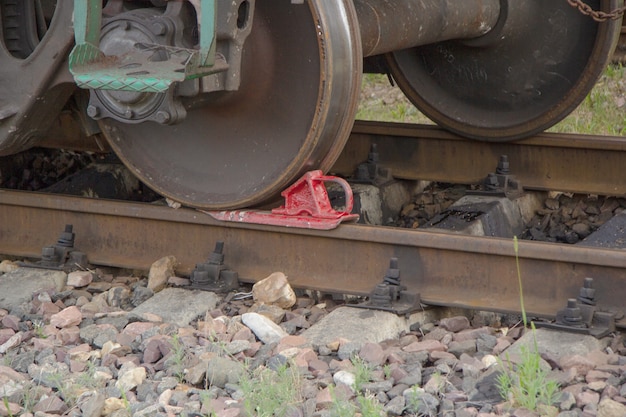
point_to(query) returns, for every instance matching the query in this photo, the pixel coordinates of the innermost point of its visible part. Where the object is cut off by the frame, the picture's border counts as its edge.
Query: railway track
(445, 269)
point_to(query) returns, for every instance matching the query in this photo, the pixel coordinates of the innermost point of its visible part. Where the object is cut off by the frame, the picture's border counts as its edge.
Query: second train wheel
(528, 73)
(301, 73)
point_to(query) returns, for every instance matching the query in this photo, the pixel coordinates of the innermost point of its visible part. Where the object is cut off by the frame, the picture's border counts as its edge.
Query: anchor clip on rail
(62, 255)
(583, 316)
(306, 206)
(390, 295)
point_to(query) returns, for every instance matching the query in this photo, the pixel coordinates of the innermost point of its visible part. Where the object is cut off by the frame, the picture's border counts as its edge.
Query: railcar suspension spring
(597, 15)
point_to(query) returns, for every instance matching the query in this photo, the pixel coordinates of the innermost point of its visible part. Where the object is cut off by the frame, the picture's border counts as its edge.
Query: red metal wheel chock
(306, 206)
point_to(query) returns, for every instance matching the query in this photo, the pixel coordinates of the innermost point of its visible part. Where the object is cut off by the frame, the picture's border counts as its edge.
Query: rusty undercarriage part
(300, 76)
(445, 269)
(282, 95)
(486, 88)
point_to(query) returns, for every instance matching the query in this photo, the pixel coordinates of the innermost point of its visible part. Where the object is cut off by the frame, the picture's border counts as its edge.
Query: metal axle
(388, 26)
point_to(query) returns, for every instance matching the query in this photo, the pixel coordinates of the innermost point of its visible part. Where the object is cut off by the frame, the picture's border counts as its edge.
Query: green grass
(269, 393)
(526, 384)
(600, 113)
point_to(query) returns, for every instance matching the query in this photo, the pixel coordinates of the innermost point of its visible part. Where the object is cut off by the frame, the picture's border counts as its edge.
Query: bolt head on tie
(66, 239)
(573, 314)
(587, 293)
(503, 165)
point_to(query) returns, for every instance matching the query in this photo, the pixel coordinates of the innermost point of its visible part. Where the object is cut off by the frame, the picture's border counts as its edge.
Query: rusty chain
(597, 15)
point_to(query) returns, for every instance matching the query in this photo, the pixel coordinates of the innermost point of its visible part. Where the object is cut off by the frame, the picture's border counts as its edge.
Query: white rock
(79, 279)
(111, 405)
(265, 329)
(91, 403)
(160, 272)
(7, 266)
(489, 360)
(345, 378)
(14, 341)
(165, 397)
(130, 378)
(611, 408)
(275, 290)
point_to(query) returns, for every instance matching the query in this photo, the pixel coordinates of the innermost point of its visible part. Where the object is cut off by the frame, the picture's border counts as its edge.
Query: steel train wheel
(516, 80)
(301, 72)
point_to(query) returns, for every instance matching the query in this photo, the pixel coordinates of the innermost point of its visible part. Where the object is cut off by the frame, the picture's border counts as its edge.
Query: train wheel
(534, 67)
(300, 79)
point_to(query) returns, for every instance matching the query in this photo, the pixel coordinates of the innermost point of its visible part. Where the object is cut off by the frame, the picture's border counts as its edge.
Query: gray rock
(379, 386)
(17, 287)
(106, 333)
(221, 371)
(356, 325)
(486, 388)
(557, 344)
(169, 382)
(569, 414)
(396, 406)
(22, 361)
(91, 403)
(49, 375)
(178, 306)
(146, 392)
(349, 350)
(140, 295)
(466, 346)
(486, 343)
(566, 401)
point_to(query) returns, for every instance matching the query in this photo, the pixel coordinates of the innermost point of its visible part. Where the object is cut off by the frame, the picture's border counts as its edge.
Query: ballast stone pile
(60, 355)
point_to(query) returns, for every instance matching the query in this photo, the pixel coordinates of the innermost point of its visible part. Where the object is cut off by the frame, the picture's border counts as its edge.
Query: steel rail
(548, 161)
(446, 269)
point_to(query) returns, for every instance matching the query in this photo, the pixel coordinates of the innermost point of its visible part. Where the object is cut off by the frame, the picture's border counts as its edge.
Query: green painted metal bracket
(93, 70)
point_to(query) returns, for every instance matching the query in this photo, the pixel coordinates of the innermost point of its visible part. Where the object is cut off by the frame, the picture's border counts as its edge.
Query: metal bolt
(66, 239)
(573, 314)
(93, 111)
(587, 293)
(381, 296)
(217, 256)
(503, 165)
(124, 25)
(491, 182)
(393, 273)
(159, 28)
(129, 114)
(47, 253)
(163, 117)
(373, 155)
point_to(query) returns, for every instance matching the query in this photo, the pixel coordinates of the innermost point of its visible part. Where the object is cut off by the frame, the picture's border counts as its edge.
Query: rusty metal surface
(300, 81)
(391, 26)
(34, 90)
(486, 89)
(446, 269)
(547, 161)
